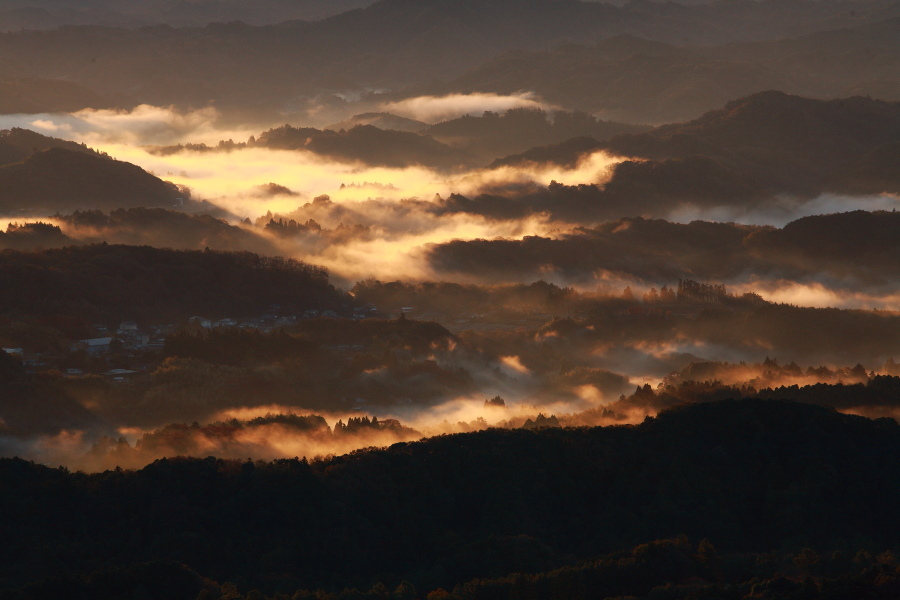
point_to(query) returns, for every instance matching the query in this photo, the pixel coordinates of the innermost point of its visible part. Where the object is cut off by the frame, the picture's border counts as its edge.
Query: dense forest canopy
(745, 476)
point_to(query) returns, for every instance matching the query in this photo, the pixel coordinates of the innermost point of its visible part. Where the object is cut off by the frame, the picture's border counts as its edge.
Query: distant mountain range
(48, 14)
(631, 79)
(565, 51)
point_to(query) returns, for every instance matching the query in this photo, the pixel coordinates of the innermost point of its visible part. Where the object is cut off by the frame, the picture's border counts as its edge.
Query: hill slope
(748, 475)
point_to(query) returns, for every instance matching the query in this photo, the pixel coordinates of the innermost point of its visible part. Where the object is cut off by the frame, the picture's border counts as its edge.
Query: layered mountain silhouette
(48, 14)
(765, 143)
(396, 43)
(632, 79)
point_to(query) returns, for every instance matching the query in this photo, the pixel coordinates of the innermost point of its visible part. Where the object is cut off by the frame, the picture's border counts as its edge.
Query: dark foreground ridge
(747, 476)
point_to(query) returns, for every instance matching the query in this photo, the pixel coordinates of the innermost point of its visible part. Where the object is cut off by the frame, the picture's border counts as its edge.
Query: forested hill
(747, 475)
(41, 174)
(17, 144)
(108, 283)
(765, 141)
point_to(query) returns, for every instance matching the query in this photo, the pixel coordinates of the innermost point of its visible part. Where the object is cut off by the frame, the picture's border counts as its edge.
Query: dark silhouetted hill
(746, 475)
(58, 179)
(114, 283)
(18, 144)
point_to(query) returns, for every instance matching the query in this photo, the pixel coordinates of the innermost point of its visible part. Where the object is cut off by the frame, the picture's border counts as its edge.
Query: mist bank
(843, 259)
(763, 159)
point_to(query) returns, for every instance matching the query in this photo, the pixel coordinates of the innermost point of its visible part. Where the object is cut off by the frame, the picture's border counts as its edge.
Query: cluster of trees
(770, 372)
(878, 396)
(355, 425)
(265, 438)
(466, 512)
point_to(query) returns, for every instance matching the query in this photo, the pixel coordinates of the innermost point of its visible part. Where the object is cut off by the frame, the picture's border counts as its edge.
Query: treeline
(878, 396)
(264, 438)
(158, 227)
(17, 144)
(469, 140)
(465, 512)
(110, 283)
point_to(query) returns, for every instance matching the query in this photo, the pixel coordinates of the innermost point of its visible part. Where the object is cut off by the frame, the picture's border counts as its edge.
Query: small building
(127, 326)
(119, 374)
(202, 322)
(95, 345)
